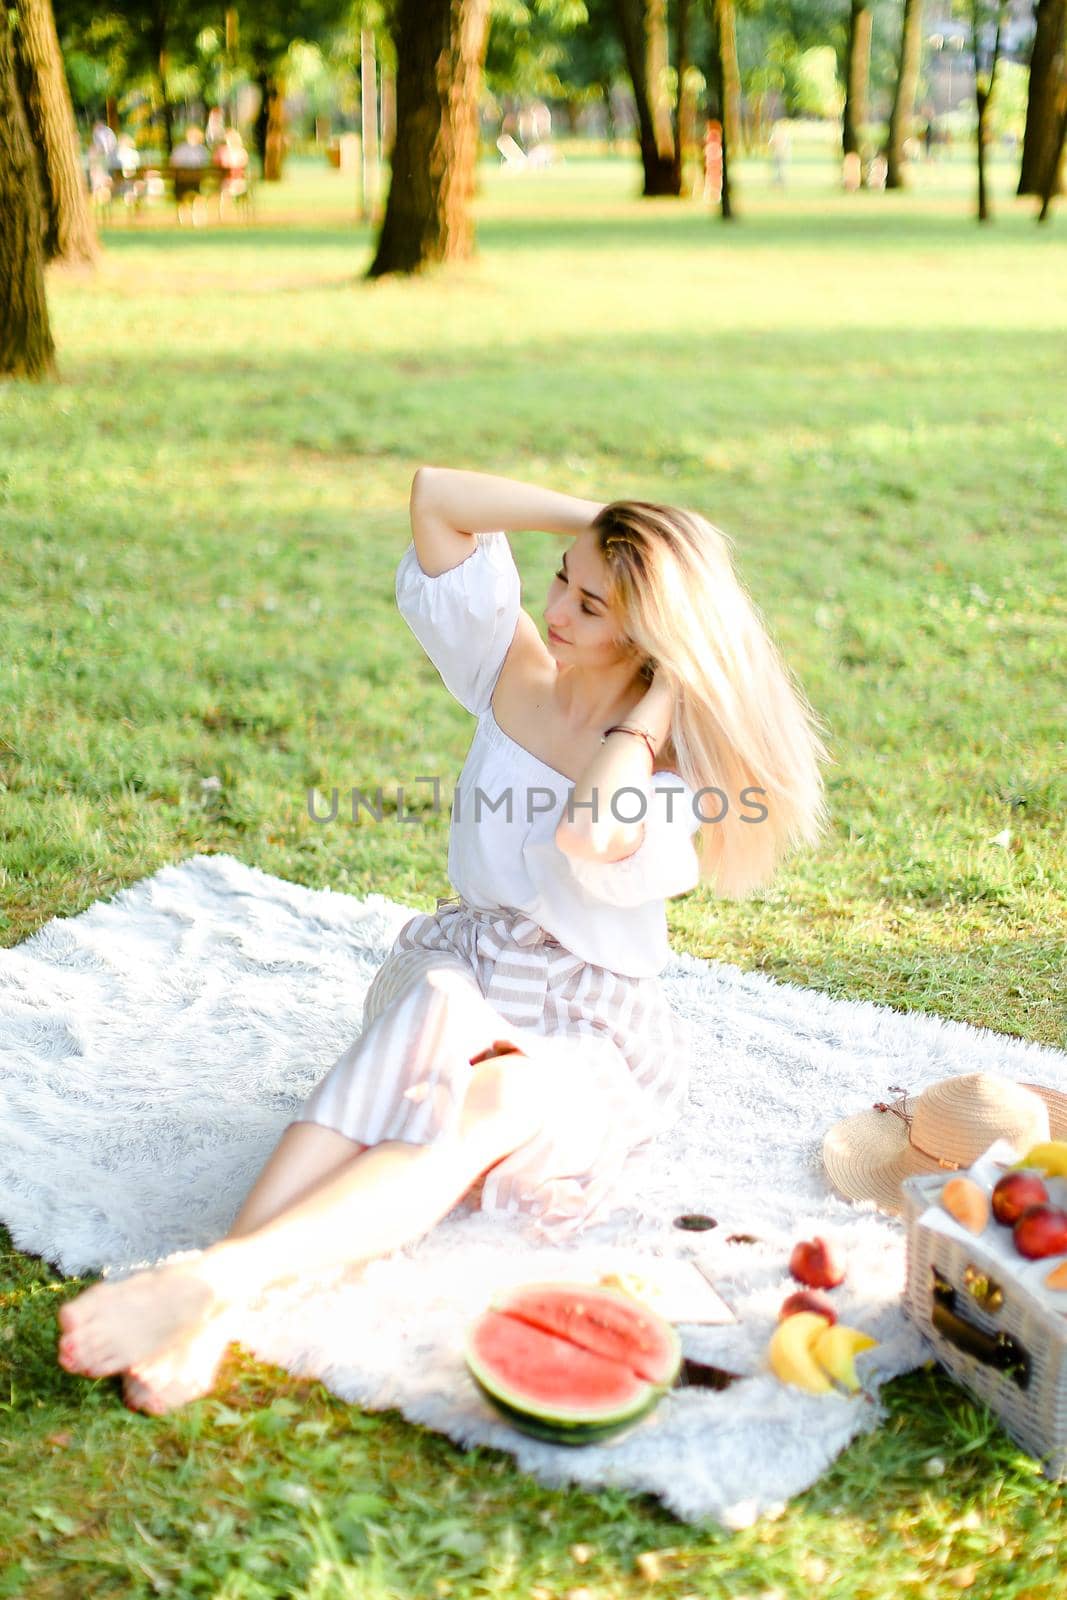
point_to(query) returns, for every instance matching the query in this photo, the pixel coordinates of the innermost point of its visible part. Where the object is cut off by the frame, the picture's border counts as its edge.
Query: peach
(1041, 1231)
(817, 1264)
(809, 1300)
(1014, 1193)
(965, 1200)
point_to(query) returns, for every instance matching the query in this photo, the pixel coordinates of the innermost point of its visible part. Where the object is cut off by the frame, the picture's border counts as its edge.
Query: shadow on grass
(842, 222)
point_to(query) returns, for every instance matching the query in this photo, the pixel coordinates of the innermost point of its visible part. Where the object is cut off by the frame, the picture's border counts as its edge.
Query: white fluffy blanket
(154, 1047)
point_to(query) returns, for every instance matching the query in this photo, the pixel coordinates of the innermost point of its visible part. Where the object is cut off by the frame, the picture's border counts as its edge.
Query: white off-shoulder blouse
(508, 802)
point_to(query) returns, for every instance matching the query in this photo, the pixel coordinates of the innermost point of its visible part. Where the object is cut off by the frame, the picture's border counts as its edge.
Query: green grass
(200, 524)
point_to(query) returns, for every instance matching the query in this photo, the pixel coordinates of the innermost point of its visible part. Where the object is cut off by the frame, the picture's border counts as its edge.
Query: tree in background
(26, 346)
(440, 53)
(145, 38)
(903, 112)
(1056, 156)
(528, 42)
(594, 60)
(69, 231)
(857, 76)
(642, 27)
(987, 23)
(722, 37)
(1042, 146)
(265, 31)
(724, 27)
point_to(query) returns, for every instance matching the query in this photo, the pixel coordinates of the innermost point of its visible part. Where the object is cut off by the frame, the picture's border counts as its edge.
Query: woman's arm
(479, 502)
(620, 762)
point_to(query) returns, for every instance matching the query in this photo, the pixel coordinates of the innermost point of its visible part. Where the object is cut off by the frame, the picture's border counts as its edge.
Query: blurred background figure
(851, 172)
(126, 184)
(230, 154)
(215, 127)
(189, 158)
(713, 162)
(103, 144)
(781, 146)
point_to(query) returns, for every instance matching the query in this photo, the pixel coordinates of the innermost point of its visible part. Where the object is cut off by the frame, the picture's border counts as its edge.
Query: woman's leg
(169, 1325)
(304, 1155)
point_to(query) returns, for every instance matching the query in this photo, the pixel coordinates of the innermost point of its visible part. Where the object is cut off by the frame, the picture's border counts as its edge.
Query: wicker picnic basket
(992, 1326)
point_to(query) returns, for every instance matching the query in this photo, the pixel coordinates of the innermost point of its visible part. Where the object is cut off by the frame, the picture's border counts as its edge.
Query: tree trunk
(609, 113)
(1047, 73)
(722, 26)
(643, 27)
(900, 118)
(731, 79)
(370, 156)
(681, 58)
(982, 99)
(26, 347)
(983, 94)
(388, 99)
(440, 51)
(69, 232)
(857, 71)
(1055, 165)
(270, 123)
(158, 35)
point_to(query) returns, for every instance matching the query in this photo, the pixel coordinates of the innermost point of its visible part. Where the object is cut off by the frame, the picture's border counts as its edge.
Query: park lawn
(200, 525)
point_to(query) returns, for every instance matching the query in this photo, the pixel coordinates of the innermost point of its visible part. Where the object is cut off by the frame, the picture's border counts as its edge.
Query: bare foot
(185, 1371)
(114, 1326)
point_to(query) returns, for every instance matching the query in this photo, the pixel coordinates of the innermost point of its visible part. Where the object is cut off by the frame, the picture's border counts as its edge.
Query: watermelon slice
(605, 1321)
(571, 1363)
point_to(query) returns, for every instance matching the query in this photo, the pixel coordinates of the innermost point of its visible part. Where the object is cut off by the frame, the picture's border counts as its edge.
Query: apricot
(965, 1200)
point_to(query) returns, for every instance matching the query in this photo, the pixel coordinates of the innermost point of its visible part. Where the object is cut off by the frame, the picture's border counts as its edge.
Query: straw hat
(945, 1128)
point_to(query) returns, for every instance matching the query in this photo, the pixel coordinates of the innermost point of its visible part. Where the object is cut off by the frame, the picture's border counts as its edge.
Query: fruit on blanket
(836, 1348)
(967, 1201)
(1050, 1158)
(602, 1320)
(791, 1356)
(572, 1363)
(808, 1300)
(817, 1264)
(634, 1285)
(1057, 1278)
(808, 1351)
(1041, 1231)
(1015, 1193)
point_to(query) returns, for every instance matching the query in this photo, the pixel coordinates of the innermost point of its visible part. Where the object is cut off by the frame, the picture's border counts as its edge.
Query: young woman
(517, 1045)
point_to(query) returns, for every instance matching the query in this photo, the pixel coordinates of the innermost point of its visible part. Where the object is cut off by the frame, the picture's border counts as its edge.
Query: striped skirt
(613, 1057)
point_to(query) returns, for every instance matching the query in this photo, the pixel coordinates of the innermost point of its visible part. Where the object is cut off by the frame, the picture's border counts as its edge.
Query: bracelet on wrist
(621, 727)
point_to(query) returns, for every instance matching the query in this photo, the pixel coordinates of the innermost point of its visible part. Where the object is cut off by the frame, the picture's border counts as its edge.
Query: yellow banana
(835, 1350)
(1050, 1157)
(790, 1352)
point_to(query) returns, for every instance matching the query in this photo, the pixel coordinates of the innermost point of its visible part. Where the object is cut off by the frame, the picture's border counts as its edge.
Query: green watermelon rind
(502, 1302)
(569, 1433)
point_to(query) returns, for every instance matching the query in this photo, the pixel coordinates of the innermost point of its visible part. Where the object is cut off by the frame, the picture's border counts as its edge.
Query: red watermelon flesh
(537, 1371)
(603, 1321)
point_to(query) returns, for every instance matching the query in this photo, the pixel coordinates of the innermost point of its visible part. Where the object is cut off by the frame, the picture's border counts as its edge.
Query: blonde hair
(741, 720)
